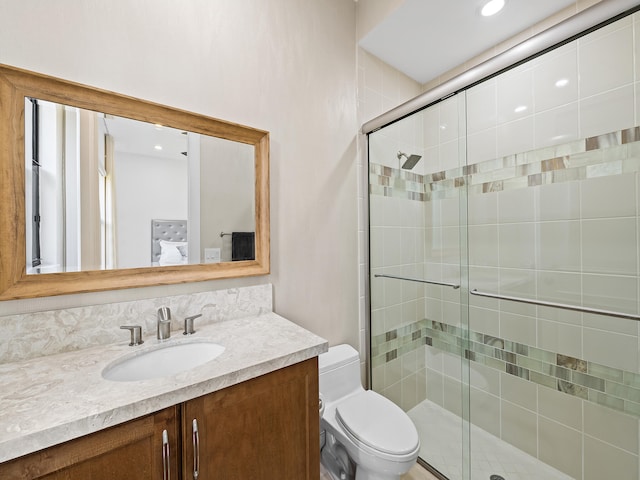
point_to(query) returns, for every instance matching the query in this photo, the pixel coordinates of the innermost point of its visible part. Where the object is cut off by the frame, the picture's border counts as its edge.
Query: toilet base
(337, 463)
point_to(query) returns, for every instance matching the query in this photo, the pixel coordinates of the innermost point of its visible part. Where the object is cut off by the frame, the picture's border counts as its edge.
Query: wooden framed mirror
(68, 227)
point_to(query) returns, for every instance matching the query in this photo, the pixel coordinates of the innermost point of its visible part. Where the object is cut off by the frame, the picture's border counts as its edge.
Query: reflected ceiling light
(158, 147)
(492, 7)
(520, 108)
(563, 82)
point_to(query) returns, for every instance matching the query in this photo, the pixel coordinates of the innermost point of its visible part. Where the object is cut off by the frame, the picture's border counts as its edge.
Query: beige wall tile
(559, 337)
(611, 427)
(558, 246)
(519, 391)
(452, 395)
(484, 378)
(612, 292)
(516, 205)
(602, 460)
(611, 349)
(409, 392)
(611, 196)
(606, 59)
(519, 427)
(559, 201)
(435, 387)
(392, 372)
(421, 385)
(607, 112)
(518, 328)
(485, 411)
(560, 447)
(560, 407)
(609, 246)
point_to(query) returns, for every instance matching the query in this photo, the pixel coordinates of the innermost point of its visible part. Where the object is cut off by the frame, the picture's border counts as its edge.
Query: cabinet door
(132, 450)
(262, 429)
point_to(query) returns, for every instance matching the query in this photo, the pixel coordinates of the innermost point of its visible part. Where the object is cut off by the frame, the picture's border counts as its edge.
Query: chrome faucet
(164, 323)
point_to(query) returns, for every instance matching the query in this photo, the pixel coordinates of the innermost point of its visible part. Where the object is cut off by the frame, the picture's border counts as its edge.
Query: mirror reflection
(106, 192)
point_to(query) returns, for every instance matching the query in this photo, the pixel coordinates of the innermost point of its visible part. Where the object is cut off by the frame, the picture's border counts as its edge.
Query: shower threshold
(441, 447)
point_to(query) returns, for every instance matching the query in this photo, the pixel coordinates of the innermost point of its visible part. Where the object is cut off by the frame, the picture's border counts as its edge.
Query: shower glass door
(527, 197)
(553, 158)
(418, 265)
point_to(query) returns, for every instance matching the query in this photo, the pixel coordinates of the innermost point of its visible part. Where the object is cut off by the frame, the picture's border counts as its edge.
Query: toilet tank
(339, 372)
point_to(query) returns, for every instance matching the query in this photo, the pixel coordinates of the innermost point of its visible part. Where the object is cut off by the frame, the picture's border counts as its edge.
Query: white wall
(286, 66)
(227, 192)
(371, 12)
(146, 188)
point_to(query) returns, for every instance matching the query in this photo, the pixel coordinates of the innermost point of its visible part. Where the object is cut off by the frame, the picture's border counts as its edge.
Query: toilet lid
(378, 422)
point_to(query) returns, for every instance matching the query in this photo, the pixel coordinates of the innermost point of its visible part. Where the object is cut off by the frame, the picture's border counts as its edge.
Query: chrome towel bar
(443, 284)
(563, 306)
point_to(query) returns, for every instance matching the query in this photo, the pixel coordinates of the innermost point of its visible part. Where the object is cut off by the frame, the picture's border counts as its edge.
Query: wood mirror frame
(15, 85)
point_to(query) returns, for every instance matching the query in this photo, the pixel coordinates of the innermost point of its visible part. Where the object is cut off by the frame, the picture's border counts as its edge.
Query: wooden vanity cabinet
(262, 429)
(132, 450)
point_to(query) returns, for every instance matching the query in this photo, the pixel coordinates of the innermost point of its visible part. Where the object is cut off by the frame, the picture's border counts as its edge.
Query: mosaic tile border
(607, 386)
(394, 182)
(603, 155)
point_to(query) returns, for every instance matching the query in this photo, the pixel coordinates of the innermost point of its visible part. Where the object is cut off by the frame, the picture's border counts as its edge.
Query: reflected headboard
(167, 230)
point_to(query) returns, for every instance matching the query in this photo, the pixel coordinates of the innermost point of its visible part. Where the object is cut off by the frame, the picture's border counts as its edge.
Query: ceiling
(141, 138)
(425, 38)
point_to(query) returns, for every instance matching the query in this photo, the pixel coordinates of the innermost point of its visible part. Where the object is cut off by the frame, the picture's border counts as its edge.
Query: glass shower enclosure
(504, 267)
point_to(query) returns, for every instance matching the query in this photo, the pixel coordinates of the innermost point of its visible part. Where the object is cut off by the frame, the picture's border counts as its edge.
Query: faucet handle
(188, 324)
(136, 334)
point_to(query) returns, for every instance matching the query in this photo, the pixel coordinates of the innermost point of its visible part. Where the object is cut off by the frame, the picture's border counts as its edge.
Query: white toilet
(363, 435)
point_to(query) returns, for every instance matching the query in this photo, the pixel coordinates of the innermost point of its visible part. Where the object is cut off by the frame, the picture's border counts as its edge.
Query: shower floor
(441, 447)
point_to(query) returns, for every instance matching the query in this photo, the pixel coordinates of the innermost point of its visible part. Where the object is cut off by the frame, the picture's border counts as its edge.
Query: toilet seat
(376, 422)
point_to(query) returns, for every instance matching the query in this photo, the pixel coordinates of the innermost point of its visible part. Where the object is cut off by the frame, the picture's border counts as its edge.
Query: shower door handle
(563, 306)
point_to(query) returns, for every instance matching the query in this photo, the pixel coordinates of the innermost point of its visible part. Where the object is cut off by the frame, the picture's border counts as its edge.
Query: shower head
(410, 161)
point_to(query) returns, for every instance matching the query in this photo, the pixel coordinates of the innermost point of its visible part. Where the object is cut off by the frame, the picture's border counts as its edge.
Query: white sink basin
(161, 361)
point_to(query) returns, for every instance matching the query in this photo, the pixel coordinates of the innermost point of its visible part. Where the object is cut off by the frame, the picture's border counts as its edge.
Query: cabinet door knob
(196, 449)
(166, 473)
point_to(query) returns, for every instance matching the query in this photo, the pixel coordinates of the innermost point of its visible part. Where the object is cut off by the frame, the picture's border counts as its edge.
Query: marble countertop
(52, 399)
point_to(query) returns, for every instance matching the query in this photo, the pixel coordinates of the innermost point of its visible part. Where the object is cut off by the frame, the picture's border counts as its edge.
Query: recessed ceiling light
(158, 147)
(492, 7)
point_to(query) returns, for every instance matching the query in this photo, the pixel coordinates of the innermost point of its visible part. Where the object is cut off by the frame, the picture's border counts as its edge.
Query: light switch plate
(211, 255)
